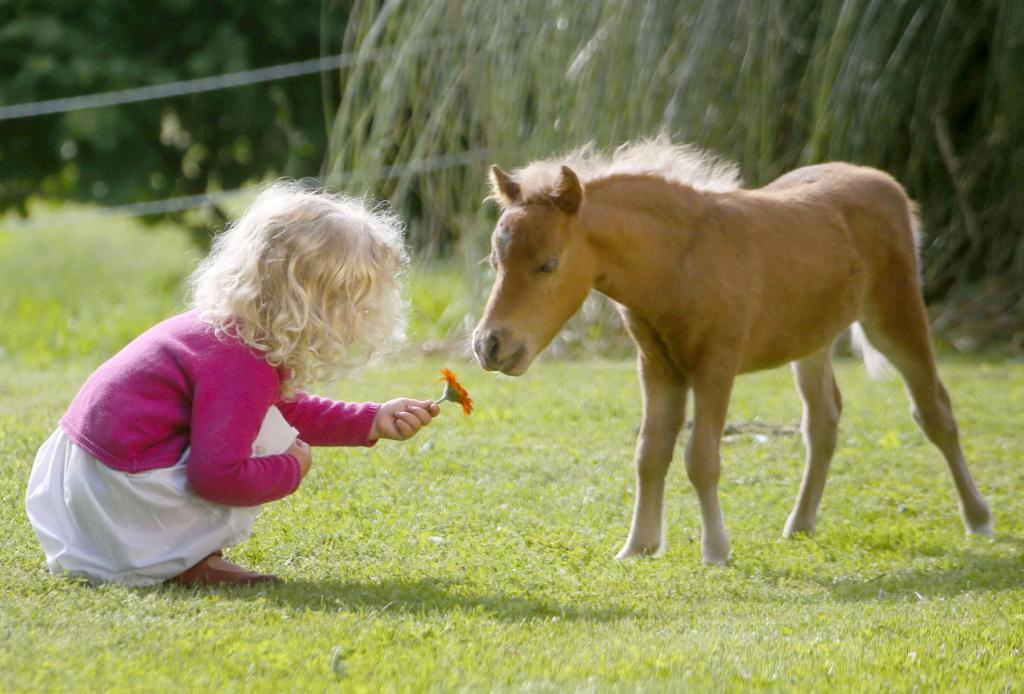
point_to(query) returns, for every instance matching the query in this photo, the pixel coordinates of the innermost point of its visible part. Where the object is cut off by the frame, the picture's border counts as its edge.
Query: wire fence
(227, 80)
(191, 202)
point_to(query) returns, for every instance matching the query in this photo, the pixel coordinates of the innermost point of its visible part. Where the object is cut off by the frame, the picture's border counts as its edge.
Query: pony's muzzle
(497, 350)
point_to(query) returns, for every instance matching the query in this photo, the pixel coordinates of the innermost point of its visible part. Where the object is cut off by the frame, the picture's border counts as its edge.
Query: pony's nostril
(492, 345)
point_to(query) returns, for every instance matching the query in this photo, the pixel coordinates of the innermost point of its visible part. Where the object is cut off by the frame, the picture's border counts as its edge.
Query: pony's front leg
(663, 415)
(711, 401)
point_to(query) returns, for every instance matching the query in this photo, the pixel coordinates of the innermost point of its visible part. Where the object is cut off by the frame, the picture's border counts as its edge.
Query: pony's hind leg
(822, 406)
(896, 325)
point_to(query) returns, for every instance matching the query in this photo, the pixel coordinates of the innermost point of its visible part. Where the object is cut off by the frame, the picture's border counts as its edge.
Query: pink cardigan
(178, 387)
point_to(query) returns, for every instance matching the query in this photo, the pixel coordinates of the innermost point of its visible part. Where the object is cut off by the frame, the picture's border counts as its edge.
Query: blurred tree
(151, 150)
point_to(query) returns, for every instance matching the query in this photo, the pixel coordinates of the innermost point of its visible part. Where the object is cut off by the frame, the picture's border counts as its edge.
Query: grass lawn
(479, 555)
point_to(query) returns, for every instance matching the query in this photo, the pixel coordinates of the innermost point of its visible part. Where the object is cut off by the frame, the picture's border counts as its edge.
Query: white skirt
(139, 529)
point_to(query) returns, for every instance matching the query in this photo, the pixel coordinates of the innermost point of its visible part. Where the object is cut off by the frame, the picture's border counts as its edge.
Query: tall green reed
(929, 91)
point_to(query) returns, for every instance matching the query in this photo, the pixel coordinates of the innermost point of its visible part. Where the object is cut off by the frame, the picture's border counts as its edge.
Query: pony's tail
(914, 211)
(877, 365)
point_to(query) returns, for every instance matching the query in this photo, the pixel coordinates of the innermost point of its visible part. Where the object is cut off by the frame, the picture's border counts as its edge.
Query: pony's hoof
(797, 526)
(631, 551)
(715, 555)
(716, 560)
(978, 521)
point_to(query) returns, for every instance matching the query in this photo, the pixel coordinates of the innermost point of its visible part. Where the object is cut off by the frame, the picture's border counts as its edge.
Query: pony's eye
(548, 266)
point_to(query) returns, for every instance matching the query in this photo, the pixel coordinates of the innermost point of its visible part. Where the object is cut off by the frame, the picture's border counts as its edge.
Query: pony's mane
(659, 156)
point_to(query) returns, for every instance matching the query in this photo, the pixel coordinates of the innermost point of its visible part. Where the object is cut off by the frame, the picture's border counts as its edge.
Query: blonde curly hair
(308, 278)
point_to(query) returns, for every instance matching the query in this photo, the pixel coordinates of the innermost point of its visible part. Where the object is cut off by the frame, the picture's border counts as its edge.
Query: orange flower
(454, 392)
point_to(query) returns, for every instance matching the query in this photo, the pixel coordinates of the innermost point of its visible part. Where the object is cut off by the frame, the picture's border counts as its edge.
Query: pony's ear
(568, 193)
(504, 188)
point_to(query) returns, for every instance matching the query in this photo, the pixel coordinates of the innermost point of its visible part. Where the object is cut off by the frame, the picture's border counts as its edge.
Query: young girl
(167, 452)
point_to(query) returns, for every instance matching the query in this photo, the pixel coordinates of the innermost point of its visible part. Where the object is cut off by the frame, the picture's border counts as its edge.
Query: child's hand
(302, 452)
(401, 418)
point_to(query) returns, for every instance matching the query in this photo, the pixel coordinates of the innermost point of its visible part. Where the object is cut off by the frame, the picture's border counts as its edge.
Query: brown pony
(712, 281)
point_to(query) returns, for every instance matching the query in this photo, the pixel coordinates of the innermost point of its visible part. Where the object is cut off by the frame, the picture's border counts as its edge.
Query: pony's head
(544, 269)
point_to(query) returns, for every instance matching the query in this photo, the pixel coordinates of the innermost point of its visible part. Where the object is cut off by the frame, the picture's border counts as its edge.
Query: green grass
(479, 555)
(86, 290)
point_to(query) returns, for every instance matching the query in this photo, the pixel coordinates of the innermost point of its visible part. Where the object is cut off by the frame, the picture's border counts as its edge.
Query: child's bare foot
(215, 569)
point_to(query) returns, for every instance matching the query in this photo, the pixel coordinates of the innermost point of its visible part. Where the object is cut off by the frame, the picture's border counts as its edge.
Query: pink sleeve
(326, 422)
(231, 395)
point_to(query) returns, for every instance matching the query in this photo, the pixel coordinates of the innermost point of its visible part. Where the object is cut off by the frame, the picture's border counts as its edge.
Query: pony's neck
(633, 223)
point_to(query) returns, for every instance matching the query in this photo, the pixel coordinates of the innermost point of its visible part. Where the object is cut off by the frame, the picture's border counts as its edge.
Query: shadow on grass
(973, 574)
(422, 596)
(962, 571)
